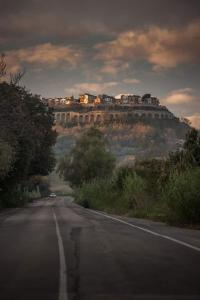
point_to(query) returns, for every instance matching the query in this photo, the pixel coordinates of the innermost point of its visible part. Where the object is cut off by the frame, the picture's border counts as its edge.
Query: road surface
(56, 250)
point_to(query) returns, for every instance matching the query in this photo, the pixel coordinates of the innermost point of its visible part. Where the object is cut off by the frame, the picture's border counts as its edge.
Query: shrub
(182, 194)
(104, 194)
(121, 175)
(97, 194)
(13, 198)
(134, 192)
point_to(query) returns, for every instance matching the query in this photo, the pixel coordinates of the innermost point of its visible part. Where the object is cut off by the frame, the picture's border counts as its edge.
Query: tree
(192, 146)
(181, 160)
(88, 159)
(26, 136)
(7, 157)
(189, 156)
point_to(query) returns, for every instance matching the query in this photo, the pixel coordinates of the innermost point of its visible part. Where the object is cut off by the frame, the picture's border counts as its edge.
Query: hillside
(140, 138)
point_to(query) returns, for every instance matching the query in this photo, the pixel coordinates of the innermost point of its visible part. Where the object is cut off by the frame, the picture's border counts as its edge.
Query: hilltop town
(101, 109)
(88, 99)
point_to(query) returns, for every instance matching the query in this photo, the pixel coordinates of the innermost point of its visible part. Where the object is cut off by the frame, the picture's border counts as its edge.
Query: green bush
(97, 194)
(164, 190)
(180, 199)
(13, 198)
(182, 194)
(134, 192)
(121, 174)
(104, 194)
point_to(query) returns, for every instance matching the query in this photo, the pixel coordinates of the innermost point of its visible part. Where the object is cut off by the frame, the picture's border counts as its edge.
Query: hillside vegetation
(162, 189)
(141, 139)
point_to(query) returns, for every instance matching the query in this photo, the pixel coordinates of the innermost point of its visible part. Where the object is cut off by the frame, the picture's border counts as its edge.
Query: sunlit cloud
(195, 120)
(131, 81)
(87, 87)
(113, 67)
(161, 47)
(183, 102)
(48, 55)
(181, 96)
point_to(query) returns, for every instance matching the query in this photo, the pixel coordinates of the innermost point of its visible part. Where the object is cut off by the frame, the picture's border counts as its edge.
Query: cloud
(37, 26)
(131, 81)
(183, 102)
(86, 87)
(44, 54)
(161, 47)
(113, 67)
(181, 96)
(49, 20)
(195, 120)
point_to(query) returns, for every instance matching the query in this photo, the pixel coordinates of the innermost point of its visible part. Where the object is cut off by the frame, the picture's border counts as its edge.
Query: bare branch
(15, 78)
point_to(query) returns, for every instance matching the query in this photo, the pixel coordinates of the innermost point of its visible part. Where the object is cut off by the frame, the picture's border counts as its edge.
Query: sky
(68, 47)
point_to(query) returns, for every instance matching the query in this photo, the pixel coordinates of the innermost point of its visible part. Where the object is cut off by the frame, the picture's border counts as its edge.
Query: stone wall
(101, 117)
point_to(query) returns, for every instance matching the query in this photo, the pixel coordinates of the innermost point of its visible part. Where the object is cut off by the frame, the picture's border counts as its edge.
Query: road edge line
(63, 268)
(148, 231)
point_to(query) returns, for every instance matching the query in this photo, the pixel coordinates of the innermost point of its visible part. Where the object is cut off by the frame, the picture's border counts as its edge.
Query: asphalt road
(54, 249)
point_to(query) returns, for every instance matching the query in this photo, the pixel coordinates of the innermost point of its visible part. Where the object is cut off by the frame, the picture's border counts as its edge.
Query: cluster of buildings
(92, 100)
(105, 109)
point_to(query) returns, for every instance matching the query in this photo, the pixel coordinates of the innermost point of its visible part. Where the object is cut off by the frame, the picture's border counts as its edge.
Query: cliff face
(142, 138)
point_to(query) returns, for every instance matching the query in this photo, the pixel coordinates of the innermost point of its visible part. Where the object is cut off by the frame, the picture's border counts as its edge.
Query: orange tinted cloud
(181, 96)
(163, 48)
(46, 54)
(112, 67)
(184, 102)
(131, 81)
(195, 120)
(90, 87)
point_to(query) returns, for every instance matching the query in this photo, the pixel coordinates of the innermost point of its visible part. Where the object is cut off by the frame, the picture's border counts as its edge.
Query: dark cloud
(33, 21)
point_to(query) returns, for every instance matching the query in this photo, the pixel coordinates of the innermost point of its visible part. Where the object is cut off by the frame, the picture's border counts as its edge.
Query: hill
(139, 138)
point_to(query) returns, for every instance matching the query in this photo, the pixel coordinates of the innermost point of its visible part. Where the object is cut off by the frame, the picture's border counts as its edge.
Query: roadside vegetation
(160, 189)
(26, 140)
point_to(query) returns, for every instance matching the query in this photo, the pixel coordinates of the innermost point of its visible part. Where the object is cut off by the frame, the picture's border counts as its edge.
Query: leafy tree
(7, 157)
(180, 160)
(192, 146)
(88, 159)
(26, 134)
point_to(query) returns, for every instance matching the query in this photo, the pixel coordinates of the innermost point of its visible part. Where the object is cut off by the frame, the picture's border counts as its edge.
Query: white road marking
(148, 231)
(63, 268)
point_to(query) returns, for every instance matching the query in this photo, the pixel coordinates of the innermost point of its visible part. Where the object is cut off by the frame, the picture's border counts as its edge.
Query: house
(105, 99)
(87, 98)
(155, 101)
(130, 99)
(69, 100)
(148, 99)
